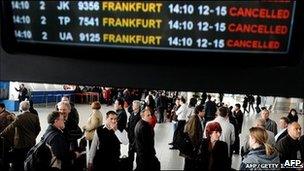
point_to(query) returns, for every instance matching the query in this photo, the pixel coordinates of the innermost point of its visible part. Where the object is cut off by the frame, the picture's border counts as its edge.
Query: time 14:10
(202, 26)
(200, 43)
(202, 9)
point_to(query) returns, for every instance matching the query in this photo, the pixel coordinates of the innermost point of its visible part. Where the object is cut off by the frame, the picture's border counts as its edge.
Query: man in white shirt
(105, 148)
(181, 117)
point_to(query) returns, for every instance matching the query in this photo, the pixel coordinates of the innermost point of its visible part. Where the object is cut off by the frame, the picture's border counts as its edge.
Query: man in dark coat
(194, 128)
(6, 118)
(210, 109)
(258, 102)
(23, 93)
(203, 98)
(161, 105)
(302, 148)
(72, 131)
(288, 147)
(133, 119)
(144, 139)
(58, 142)
(239, 116)
(74, 115)
(251, 102)
(27, 126)
(122, 115)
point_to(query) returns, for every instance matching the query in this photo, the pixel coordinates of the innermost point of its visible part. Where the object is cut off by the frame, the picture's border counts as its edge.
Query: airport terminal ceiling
(245, 47)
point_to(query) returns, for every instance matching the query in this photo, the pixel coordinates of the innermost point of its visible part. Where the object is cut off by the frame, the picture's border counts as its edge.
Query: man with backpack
(52, 153)
(58, 142)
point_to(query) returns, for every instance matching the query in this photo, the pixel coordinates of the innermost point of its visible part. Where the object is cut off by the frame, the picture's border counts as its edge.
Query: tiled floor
(170, 159)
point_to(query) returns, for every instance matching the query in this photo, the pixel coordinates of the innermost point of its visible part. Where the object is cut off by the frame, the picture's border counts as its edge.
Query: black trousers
(193, 165)
(19, 158)
(5, 158)
(131, 154)
(161, 112)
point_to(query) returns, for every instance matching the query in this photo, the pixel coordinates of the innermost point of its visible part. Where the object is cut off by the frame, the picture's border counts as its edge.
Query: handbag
(184, 144)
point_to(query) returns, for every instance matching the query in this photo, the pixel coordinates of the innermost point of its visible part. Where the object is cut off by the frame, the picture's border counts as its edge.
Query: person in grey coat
(270, 124)
(262, 154)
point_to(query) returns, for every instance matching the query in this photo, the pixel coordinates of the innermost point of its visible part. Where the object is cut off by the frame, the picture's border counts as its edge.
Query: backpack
(184, 144)
(40, 156)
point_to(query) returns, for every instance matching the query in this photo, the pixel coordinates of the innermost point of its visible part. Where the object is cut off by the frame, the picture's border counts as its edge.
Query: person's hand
(77, 154)
(113, 127)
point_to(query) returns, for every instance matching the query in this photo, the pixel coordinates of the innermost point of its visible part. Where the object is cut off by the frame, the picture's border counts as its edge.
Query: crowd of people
(213, 130)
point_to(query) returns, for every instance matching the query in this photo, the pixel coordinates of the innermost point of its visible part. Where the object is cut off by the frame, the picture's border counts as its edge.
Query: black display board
(216, 26)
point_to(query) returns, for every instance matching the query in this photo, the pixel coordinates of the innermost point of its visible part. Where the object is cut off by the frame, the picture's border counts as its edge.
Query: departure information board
(207, 26)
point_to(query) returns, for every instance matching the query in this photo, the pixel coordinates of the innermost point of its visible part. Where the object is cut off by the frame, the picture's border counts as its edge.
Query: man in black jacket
(210, 109)
(23, 93)
(5, 117)
(73, 113)
(161, 105)
(122, 115)
(133, 119)
(288, 147)
(302, 148)
(144, 140)
(72, 131)
(58, 142)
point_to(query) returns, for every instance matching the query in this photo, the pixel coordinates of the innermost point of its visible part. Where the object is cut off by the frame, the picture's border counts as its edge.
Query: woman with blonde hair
(94, 121)
(261, 153)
